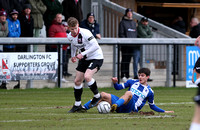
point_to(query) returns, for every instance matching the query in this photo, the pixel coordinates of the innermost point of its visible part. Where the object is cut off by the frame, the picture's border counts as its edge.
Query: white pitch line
(132, 117)
(18, 120)
(109, 118)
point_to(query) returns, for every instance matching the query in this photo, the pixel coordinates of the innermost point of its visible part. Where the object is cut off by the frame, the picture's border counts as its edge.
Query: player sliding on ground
(135, 98)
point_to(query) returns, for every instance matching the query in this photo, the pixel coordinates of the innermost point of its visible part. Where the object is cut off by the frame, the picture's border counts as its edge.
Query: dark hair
(145, 71)
(72, 22)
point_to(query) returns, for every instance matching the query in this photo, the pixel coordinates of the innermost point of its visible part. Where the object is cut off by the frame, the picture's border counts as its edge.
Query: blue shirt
(140, 93)
(14, 29)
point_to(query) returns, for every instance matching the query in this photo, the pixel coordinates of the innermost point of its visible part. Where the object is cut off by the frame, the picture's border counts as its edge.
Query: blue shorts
(124, 108)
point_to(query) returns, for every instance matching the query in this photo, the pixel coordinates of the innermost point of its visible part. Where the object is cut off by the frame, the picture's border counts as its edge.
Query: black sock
(77, 94)
(93, 88)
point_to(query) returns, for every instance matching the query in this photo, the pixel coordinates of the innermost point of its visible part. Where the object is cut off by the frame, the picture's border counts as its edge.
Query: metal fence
(112, 45)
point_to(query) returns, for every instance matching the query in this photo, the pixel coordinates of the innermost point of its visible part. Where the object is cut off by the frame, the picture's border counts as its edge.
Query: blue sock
(86, 105)
(120, 102)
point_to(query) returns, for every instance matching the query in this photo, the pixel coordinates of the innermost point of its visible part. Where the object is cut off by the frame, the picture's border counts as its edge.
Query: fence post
(60, 64)
(169, 66)
(29, 83)
(115, 61)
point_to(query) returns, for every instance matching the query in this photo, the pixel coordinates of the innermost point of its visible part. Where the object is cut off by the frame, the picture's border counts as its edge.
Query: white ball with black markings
(103, 107)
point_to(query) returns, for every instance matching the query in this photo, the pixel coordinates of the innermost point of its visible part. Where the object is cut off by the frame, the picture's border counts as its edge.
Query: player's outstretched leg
(78, 90)
(93, 87)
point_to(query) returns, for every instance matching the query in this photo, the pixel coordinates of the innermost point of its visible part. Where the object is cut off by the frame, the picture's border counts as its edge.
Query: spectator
(14, 29)
(91, 24)
(3, 33)
(57, 30)
(53, 7)
(178, 24)
(27, 23)
(72, 8)
(3, 26)
(144, 31)
(195, 28)
(128, 29)
(38, 9)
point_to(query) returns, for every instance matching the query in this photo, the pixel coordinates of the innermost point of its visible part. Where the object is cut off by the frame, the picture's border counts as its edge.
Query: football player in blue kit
(135, 98)
(86, 49)
(195, 125)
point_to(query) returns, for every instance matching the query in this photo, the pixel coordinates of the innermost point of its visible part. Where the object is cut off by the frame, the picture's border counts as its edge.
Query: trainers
(78, 109)
(94, 102)
(64, 80)
(124, 79)
(113, 108)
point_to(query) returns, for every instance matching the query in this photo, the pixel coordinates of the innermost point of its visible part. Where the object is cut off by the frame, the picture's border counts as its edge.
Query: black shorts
(197, 65)
(83, 64)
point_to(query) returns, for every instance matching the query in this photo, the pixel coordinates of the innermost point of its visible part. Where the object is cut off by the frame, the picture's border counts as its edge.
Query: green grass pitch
(46, 109)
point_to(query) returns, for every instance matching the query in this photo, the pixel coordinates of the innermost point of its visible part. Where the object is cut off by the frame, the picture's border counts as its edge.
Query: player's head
(73, 25)
(145, 71)
(143, 75)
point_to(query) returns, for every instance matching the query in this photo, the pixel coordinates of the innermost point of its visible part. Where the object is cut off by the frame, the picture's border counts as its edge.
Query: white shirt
(86, 44)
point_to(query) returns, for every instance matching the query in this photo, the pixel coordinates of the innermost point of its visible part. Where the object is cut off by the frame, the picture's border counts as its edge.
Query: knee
(128, 93)
(77, 82)
(104, 95)
(87, 78)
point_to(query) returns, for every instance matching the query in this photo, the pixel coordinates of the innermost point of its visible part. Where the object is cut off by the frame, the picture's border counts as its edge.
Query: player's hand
(79, 56)
(73, 59)
(197, 42)
(169, 111)
(114, 80)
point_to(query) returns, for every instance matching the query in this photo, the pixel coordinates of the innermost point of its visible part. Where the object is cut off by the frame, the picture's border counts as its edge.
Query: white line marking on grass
(174, 103)
(18, 120)
(132, 117)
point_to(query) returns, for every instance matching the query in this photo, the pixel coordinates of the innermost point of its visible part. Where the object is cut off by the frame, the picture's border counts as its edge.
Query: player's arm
(153, 106)
(119, 86)
(73, 53)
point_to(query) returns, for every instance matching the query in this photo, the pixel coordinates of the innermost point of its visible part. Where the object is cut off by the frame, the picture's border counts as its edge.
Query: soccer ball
(103, 107)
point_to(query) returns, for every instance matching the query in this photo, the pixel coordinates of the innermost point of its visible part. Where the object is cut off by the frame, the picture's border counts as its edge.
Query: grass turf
(46, 109)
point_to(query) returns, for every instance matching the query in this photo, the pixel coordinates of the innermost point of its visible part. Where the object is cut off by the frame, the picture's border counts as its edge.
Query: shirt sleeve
(122, 86)
(73, 50)
(151, 103)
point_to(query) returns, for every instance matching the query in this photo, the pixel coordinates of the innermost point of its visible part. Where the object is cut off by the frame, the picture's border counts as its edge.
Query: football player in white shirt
(195, 125)
(86, 49)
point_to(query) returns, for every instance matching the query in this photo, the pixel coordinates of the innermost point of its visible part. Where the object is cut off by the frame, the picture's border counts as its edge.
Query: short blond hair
(72, 22)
